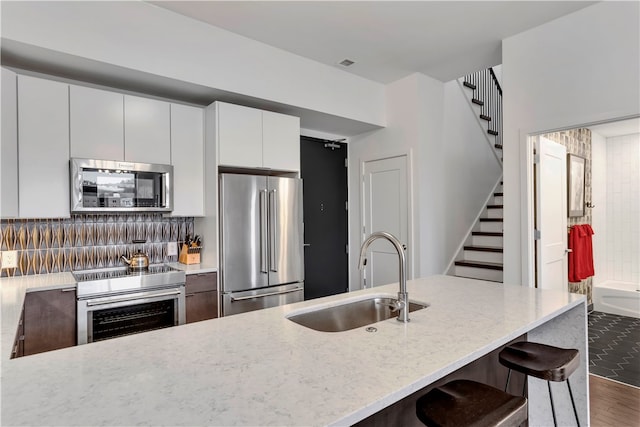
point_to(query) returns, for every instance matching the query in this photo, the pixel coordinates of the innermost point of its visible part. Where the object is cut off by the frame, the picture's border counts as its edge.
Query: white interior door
(551, 216)
(385, 209)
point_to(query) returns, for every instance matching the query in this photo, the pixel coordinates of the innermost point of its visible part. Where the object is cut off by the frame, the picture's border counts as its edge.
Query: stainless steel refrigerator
(261, 234)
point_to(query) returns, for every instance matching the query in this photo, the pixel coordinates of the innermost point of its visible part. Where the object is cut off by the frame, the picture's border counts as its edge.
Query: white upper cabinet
(146, 130)
(112, 126)
(97, 123)
(239, 135)
(280, 141)
(43, 157)
(252, 138)
(9, 146)
(187, 158)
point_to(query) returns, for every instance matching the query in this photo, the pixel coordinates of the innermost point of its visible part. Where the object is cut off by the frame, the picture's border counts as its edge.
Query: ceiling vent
(346, 62)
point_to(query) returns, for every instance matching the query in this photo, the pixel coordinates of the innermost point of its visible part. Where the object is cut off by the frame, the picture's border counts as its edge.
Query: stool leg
(553, 410)
(508, 377)
(573, 403)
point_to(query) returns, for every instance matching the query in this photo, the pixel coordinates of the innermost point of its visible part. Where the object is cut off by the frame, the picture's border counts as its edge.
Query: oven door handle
(270, 294)
(94, 303)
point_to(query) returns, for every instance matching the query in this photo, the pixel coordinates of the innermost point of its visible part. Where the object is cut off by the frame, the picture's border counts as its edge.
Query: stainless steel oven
(117, 302)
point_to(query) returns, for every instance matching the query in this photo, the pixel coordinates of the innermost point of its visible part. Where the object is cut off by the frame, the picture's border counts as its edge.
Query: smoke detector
(346, 62)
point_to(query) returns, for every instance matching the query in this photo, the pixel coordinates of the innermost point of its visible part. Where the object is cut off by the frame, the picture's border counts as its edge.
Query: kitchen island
(259, 368)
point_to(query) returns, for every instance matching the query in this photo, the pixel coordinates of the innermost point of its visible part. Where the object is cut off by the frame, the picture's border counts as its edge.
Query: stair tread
(477, 101)
(469, 85)
(498, 194)
(484, 248)
(475, 278)
(495, 206)
(485, 117)
(480, 264)
(487, 233)
(492, 132)
(498, 146)
(491, 219)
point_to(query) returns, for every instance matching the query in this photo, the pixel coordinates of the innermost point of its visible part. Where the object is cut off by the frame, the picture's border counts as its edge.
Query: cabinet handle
(189, 295)
(68, 290)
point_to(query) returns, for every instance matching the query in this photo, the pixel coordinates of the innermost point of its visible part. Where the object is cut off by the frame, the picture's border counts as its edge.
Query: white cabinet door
(96, 123)
(187, 158)
(280, 141)
(147, 136)
(9, 146)
(239, 136)
(43, 159)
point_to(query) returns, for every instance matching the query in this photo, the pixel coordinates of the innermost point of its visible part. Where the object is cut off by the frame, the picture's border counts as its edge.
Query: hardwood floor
(613, 404)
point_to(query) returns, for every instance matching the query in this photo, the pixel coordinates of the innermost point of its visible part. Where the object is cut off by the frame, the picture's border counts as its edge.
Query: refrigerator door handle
(274, 234)
(270, 294)
(263, 231)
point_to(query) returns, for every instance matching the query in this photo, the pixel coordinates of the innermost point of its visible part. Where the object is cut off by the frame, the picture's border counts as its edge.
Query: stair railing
(487, 93)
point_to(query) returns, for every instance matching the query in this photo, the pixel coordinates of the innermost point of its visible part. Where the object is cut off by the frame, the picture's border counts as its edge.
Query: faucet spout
(403, 297)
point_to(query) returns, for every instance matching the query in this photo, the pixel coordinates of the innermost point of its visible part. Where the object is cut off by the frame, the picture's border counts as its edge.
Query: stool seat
(540, 360)
(464, 403)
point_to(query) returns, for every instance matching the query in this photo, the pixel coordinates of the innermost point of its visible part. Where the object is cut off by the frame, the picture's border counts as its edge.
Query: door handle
(273, 232)
(566, 251)
(270, 294)
(263, 231)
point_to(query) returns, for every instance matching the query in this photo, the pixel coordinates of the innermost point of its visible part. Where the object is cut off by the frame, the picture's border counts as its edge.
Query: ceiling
(387, 40)
(619, 128)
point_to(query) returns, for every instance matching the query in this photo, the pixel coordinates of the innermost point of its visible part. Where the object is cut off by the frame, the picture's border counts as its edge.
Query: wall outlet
(9, 259)
(172, 248)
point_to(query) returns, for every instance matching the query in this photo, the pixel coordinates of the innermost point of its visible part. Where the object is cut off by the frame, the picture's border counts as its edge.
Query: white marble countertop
(259, 368)
(193, 268)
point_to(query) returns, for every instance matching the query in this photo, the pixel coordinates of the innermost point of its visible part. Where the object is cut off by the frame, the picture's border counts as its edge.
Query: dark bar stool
(467, 403)
(542, 361)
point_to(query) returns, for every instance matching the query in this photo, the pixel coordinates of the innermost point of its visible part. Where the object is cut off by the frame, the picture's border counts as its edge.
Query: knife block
(189, 254)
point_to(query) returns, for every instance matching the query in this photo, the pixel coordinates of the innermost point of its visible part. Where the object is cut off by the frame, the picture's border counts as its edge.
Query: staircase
(481, 256)
(485, 94)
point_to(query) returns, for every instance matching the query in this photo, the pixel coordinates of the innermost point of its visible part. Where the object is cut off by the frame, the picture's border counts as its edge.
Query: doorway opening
(611, 199)
(323, 167)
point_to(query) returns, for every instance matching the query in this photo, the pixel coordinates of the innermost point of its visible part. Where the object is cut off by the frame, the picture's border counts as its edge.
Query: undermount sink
(351, 315)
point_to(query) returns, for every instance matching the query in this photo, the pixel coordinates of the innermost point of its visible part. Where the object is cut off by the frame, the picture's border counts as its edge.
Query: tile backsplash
(623, 208)
(84, 242)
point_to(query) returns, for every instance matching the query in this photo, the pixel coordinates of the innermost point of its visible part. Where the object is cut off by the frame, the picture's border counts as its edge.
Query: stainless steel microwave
(119, 186)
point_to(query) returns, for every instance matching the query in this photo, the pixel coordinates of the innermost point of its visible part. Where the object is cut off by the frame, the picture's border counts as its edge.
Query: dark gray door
(324, 177)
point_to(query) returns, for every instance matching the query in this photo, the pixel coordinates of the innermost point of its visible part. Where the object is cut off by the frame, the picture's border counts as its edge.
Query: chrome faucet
(402, 303)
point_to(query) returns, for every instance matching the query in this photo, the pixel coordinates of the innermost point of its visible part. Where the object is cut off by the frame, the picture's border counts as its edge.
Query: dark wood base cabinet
(201, 297)
(48, 322)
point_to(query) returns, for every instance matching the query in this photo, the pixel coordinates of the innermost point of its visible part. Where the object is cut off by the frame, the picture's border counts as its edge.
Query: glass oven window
(132, 319)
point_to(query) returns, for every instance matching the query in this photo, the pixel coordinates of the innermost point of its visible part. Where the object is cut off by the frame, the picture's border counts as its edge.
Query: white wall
(623, 208)
(463, 175)
(412, 103)
(140, 36)
(599, 200)
(576, 70)
(453, 169)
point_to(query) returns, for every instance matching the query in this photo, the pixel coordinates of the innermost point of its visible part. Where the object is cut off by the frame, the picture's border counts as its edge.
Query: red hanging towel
(581, 255)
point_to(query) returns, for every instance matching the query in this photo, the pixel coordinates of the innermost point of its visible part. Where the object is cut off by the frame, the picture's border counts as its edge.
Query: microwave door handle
(274, 232)
(263, 231)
